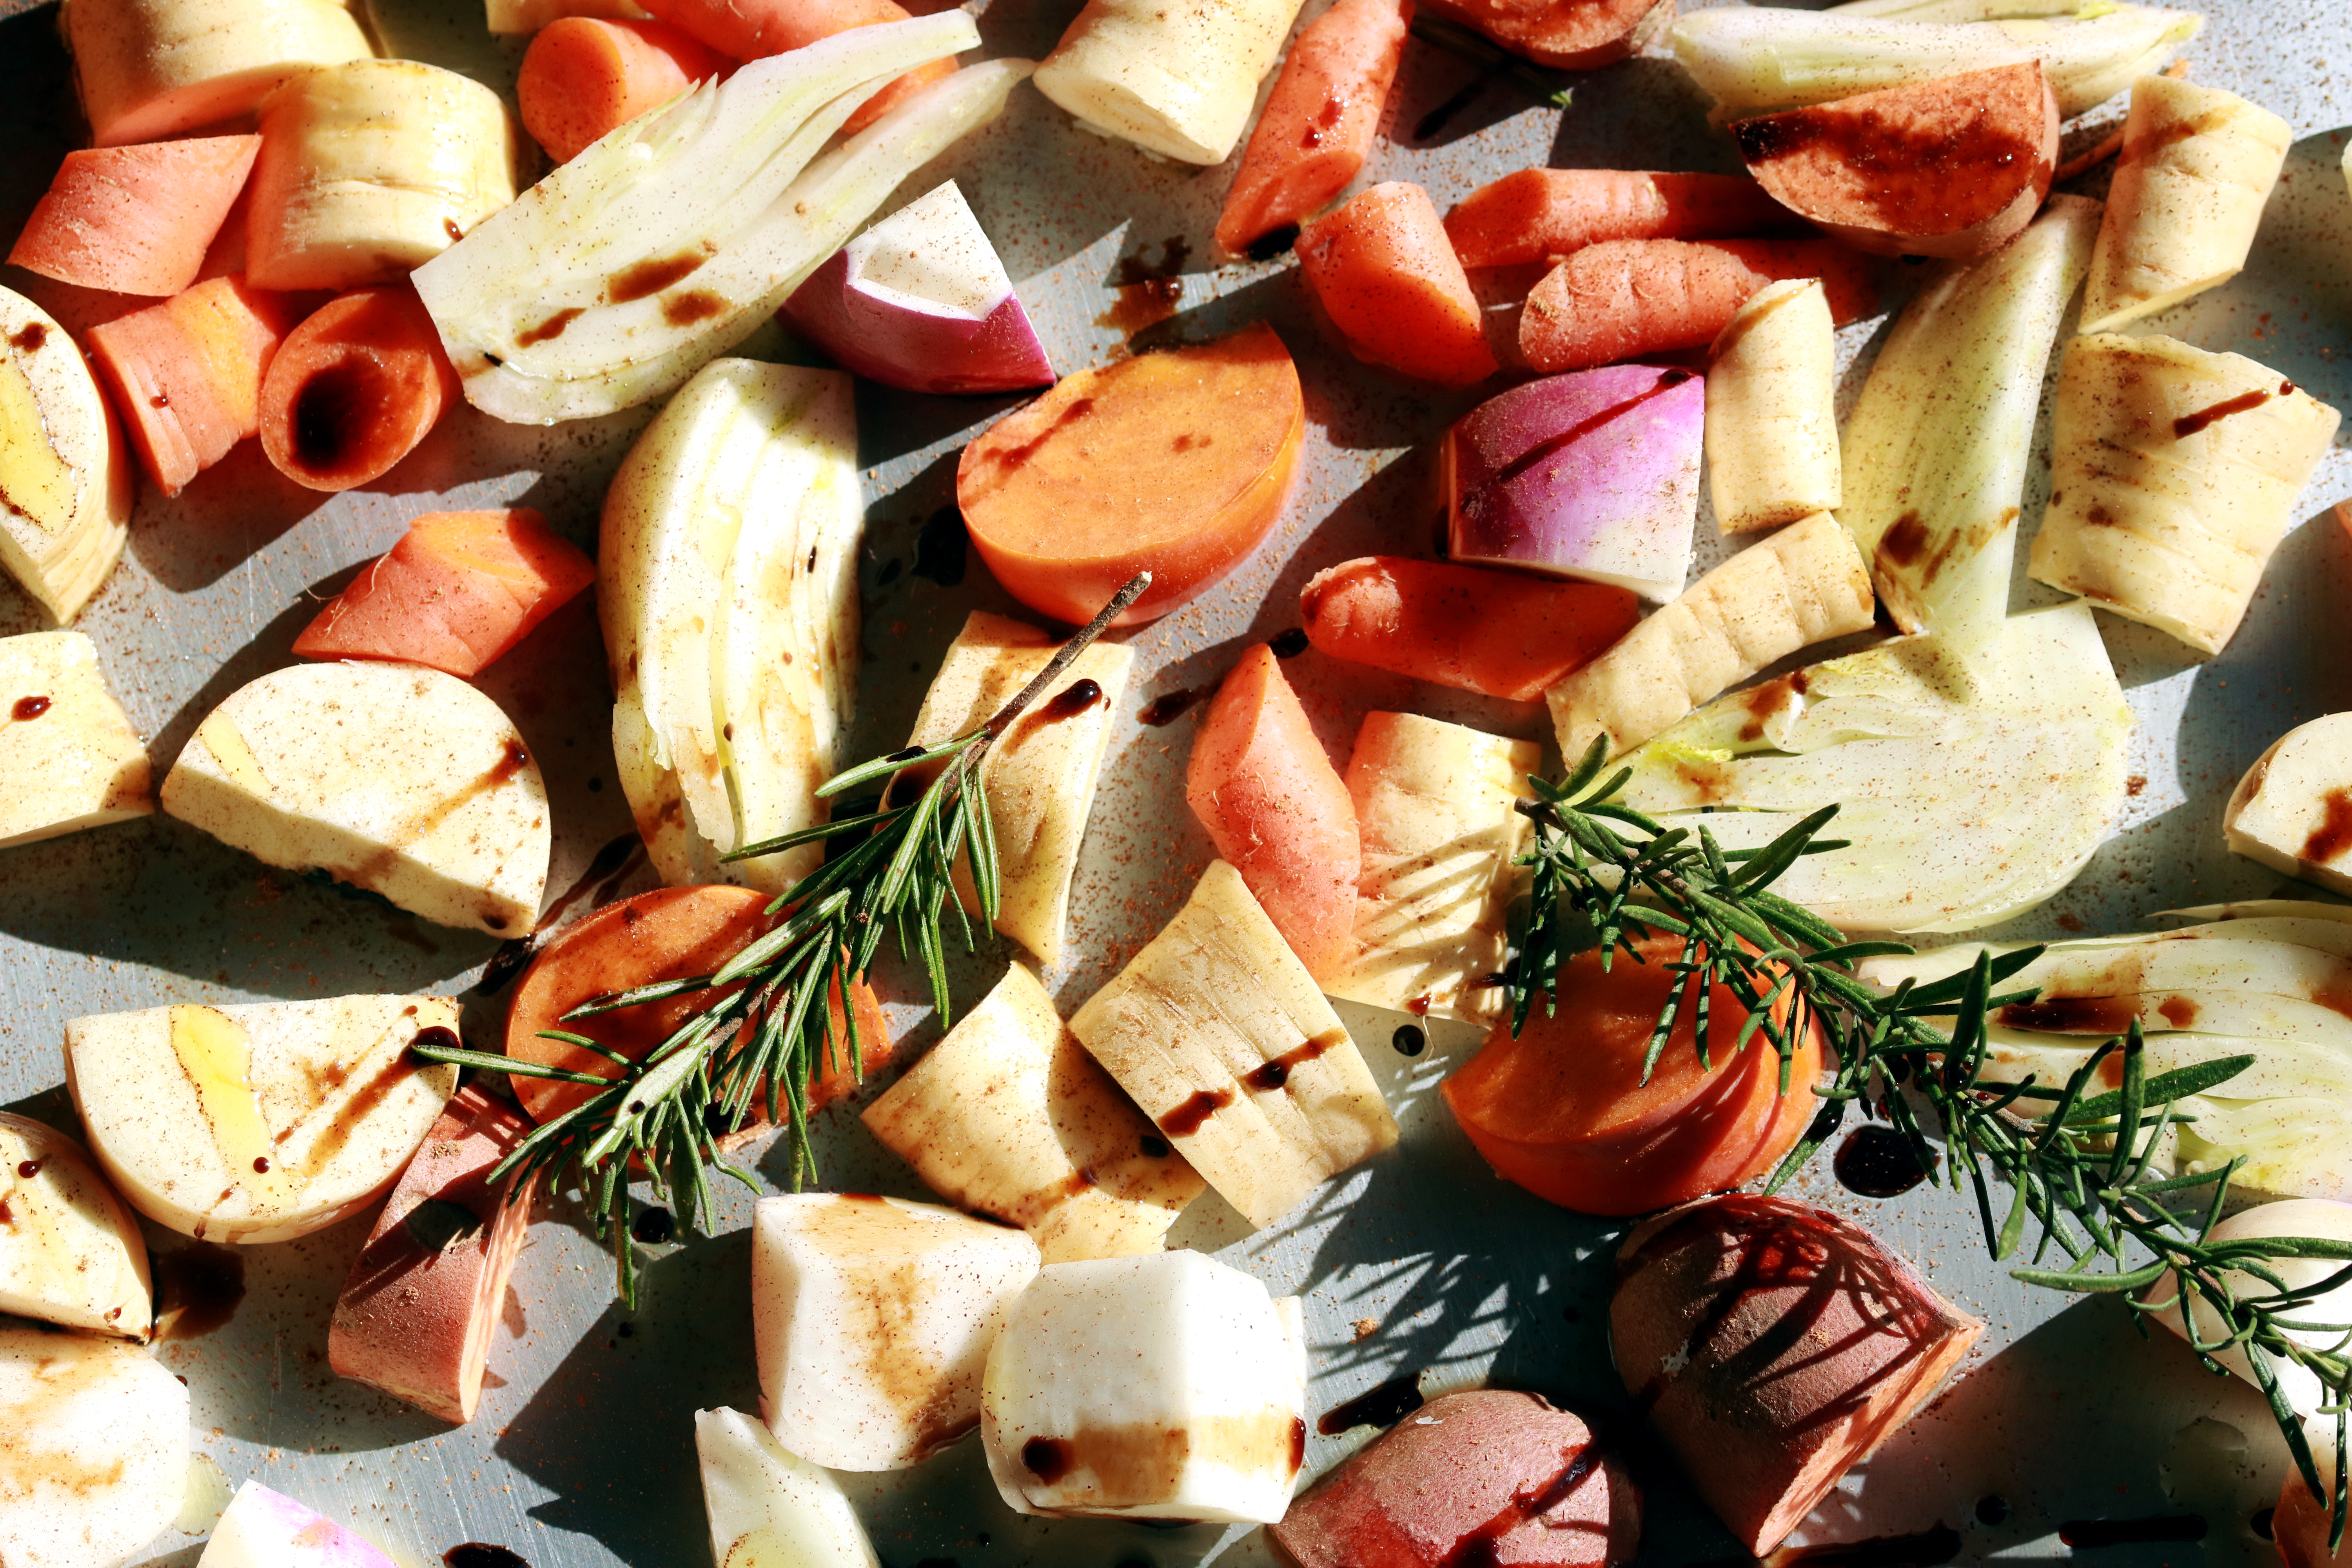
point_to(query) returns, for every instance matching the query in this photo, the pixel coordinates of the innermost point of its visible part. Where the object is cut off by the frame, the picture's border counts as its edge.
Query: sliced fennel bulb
(1972, 787)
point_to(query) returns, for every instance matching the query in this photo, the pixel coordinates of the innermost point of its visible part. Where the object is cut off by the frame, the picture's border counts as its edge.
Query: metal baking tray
(1422, 1263)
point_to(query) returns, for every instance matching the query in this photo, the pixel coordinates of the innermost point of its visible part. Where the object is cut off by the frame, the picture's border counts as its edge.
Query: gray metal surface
(582, 1453)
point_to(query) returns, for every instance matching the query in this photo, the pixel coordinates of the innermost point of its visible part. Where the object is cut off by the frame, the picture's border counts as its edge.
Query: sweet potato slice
(1952, 167)
(1572, 35)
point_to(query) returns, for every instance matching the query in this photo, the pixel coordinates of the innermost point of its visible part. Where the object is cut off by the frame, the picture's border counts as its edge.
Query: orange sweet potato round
(1178, 462)
(1562, 1111)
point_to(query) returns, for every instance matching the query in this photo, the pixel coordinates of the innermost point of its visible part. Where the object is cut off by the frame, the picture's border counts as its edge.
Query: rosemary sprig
(1606, 876)
(762, 1032)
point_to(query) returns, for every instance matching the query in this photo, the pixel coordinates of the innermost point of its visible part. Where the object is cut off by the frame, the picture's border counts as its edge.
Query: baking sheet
(582, 1455)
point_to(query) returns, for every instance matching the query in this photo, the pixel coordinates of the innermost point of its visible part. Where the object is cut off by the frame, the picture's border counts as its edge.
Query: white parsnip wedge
(1221, 1035)
(1771, 419)
(1937, 449)
(65, 472)
(2174, 473)
(390, 777)
(1167, 1387)
(2197, 166)
(1041, 776)
(94, 1449)
(1437, 807)
(1804, 584)
(1178, 78)
(70, 1251)
(1009, 1118)
(148, 69)
(726, 581)
(2293, 810)
(261, 1121)
(872, 1320)
(768, 1507)
(1970, 789)
(68, 757)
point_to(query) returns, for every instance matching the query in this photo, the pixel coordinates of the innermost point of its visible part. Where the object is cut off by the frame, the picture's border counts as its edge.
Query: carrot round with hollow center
(752, 29)
(1542, 214)
(185, 375)
(1388, 279)
(1627, 297)
(354, 388)
(135, 220)
(585, 76)
(1500, 633)
(1318, 124)
(1278, 811)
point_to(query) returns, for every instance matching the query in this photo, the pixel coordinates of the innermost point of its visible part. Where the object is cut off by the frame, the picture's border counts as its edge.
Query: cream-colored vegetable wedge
(68, 757)
(70, 1251)
(264, 1529)
(872, 1320)
(1009, 1118)
(261, 1121)
(2293, 810)
(1970, 789)
(370, 169)
(2174, 473)
(2197, 166)
(1221, 1035)
(1437, 807)
(390, 777)
(148, 69)
(1167, 1387)
(1039, 777)
(1803, 585)
(726, 581)
(768, 1507)
(65, 471)
(1771, 415)
(1178, 77)
(94, 1449)
(1937, 449)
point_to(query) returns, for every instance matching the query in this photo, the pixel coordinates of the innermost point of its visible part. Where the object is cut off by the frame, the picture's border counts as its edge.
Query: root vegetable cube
(152, 68)
(262, 1121)
(873, 1318)
(262, 1529)
(2293, 811)
(94, 1449)
(1771, 410)
(64, 466)
(70, 1251)
(1167, 1387)
(769, 1508)
(68, 757)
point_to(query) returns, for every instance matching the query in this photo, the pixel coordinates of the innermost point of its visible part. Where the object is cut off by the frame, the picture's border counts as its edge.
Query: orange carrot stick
(1500, 633)
(185, 375)
(1278, 811)
(1320, 120)
(353, 389)
(456, 591)
(1625, 298)
(583, 76)
(1542, 214)
(751, 29)
(135, 220)
(1386, 276)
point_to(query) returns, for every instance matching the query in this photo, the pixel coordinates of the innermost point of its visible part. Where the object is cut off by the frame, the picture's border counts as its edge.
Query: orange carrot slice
(1260, 782)
(1388, 279)
(458, 591)
(1627, 297)
(751, 29)
(135, 220)
(354, 388)
(1542, 214)
(583, 76)
(185, 375)
(1319, 123)
(1500, 633)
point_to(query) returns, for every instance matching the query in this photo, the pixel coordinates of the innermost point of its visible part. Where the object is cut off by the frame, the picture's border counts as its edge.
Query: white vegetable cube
(1167, 1387)
(2293, 810)
(871, 1318)
(262, 1529)
(262, 1121)
(769, 1508)
(70, 1251)
(94, 1449)
(64, 465)
(68, 758)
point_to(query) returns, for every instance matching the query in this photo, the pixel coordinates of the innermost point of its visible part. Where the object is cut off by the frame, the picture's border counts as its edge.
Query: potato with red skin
(1482, 1477)
(1562, 1109)
(1775, 1345)
(1390, 285)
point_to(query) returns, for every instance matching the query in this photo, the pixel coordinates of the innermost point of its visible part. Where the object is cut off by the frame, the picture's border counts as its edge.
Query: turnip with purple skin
(264, 1529)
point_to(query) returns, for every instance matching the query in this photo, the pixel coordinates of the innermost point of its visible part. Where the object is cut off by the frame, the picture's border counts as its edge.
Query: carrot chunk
(1542, 214)
(135, 220)
(1500, 633)
(752, 29)
(1387, 277)
(1319, 123)
(185, 375)
(1627, 297)
(583, 76)
(1278, 811)
(458, 591)
(354, 388)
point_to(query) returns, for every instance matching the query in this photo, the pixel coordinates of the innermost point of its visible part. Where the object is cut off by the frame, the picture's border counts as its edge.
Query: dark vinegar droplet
(28, 708)
(1156, 1148)
(654, 1226)
(440, 1038)
(1992, 1510)
(1385, 1405)
(479, 1555)
(1410, 1040)
(1878, 1162)
(1047, 1458)
(261, 1164)
(1290, 644)
(29, 1169)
